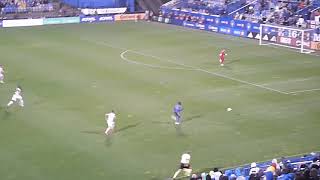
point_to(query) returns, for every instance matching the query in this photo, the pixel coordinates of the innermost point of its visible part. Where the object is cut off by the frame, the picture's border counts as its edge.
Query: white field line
(289, 48)
(288, 81)
(233, 38)
(188, 67)
(205, 71)
(306, 90)
(122, 55)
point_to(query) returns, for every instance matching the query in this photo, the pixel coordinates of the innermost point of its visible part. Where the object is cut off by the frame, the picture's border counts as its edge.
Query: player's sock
(21, 103)
(107, 132)
(10, 103)
(176, 174)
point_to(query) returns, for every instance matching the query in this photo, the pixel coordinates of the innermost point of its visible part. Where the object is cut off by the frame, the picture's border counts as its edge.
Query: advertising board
(242, 28)
(316, 37)
(62, 20)
(22, 22)
(128, 17)
(91, 19)
(103, 11)
(225, 30)
(211, 27)
(315, 46)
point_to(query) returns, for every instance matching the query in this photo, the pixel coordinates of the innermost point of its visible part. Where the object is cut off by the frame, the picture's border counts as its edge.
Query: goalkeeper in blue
(177, 110)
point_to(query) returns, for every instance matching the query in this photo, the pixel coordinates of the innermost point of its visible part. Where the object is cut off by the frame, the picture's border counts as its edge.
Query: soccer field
(71, 75)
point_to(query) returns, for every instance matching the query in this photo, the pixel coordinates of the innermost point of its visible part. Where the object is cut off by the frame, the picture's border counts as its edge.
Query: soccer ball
(229, 109)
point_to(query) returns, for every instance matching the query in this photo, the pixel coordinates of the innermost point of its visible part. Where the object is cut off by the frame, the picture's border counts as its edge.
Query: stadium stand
(20, 9)
(282, 12)
(24, 6)
(304, 167)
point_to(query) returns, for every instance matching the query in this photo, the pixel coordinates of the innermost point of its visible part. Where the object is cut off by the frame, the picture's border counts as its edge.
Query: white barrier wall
(22, 22)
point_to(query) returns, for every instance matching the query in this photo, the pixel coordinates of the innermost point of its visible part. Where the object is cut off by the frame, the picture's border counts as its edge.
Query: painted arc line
(122, 55)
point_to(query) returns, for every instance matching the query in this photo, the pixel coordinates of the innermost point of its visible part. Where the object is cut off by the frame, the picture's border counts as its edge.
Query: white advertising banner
(22, 22)
(104, 11)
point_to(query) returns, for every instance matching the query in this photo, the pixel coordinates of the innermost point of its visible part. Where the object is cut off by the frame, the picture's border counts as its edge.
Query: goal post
(289, 37)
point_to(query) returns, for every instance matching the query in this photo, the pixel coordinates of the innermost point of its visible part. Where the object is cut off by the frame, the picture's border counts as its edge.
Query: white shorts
(1, 76)
(16, 97)
(111, 125)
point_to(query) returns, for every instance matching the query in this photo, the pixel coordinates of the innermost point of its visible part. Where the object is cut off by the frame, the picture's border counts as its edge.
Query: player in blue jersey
(177, 113)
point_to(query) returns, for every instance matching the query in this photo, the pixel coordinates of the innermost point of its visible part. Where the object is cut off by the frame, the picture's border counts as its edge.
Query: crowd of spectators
(281, 12)
(18, 6)
(274, 170)
(287, 13)
(206, 6)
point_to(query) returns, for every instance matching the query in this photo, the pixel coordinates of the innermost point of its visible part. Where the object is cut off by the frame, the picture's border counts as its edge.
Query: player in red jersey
(222, 55)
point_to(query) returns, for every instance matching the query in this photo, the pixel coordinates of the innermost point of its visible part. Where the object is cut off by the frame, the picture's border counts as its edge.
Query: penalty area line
(302, 91)
(188, 67)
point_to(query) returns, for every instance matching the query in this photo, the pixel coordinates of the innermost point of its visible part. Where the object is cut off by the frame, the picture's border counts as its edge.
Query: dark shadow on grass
(191, 118)
(5, 113)
(179, 130)
(93, 132)
(172, 121)
(228, 67)
(108, 140)
(233, 61)
(162, 122)
(127, 127)
(116, 131)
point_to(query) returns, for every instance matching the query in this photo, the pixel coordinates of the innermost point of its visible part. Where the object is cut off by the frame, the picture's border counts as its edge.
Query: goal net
(299, 39)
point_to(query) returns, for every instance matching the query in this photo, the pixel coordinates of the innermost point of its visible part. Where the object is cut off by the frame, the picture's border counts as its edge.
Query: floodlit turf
(73, 74)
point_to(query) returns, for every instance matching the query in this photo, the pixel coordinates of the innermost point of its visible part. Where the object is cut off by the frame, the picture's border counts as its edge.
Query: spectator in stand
(314, 174)
(203, 176)
(194, 177)
(224, 177)
(275, 161)
(254, 169)
(208, 177)
(300, 22)
(272, 169)
(233, 177)
(286, 175)
(315, 163)
(241, 178)
(216, 174)
(299, 176)
(317, 16)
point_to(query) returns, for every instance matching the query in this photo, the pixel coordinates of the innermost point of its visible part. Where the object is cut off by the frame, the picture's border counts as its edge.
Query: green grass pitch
(73, 74)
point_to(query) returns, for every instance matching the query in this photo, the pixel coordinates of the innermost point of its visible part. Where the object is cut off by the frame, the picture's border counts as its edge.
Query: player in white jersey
(1, 74)
(17, 97)
(110, 118)
(184, 165)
